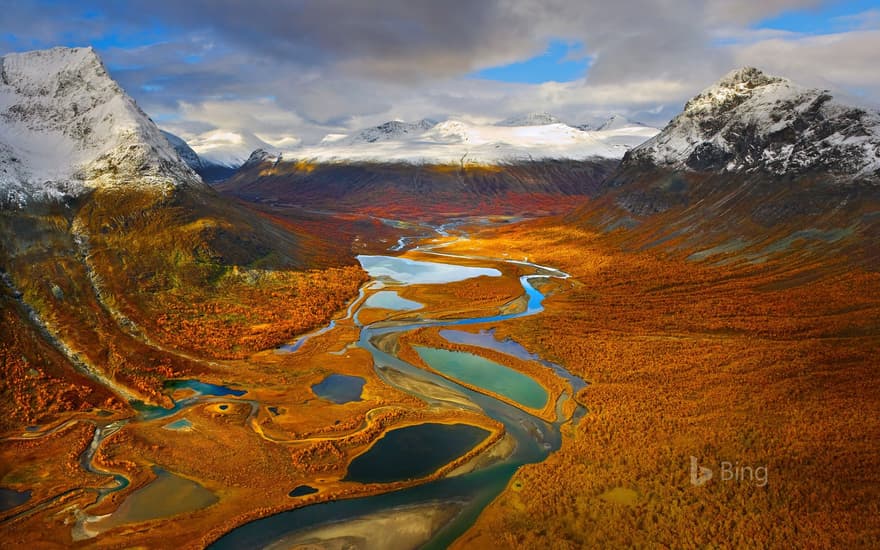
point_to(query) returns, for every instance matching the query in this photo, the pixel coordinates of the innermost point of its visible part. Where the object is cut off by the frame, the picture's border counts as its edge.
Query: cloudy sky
(286, 72)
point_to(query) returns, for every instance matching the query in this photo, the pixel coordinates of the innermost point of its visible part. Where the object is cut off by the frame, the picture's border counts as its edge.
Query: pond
(486, 339)
(414, 451)
(10, 498)
(199, 388)
(302, 490)
(168, 495)
(389, 299)
(483, 373)
(181, 424)
(340, 388)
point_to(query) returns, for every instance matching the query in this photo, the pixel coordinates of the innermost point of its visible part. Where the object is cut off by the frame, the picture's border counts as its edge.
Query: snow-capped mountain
(190, 157)
(260, 156)
(531, 119)
(226, 148)
(613, 122)
(66, 127)
(616, 122)
(388, 131)
(211, 172)
(455, 141)
(749, 121)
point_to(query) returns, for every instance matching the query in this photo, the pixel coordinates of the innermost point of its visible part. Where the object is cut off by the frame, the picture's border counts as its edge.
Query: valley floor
(745, 369)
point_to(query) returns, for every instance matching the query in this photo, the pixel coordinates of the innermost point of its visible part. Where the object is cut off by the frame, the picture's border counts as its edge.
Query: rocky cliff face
(751, 122)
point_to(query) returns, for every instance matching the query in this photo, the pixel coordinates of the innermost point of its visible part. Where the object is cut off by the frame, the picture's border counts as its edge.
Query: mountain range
(532, 136)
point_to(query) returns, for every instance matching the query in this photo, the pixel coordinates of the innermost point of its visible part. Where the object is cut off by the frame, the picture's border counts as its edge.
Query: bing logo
(729, 471)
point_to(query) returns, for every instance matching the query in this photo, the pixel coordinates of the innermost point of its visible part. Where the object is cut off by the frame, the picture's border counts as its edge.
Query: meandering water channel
(412, 452)
(471, 492)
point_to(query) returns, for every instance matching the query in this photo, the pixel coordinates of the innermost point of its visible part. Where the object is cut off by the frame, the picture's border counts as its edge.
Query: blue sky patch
(828, 17)
(560, 62)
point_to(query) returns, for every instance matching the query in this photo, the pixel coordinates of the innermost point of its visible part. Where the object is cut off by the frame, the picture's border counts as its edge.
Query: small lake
(486, 339)
(483, 373)
(414, 451)
(168, 495)
(10, 498)
(302, 490)
(389, 299)
(203, 388)
(340, 388)
(406, 271)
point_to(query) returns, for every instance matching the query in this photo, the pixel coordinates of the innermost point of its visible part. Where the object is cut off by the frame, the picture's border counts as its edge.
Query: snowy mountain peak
(749, 121)
(393, 129)
(259, 156)
(531, 119)
(616, 122)
(66, 126)
(733, 88)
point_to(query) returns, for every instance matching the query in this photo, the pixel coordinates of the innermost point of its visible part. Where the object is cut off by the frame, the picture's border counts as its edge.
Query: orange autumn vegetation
(771, 364)
(239, 317)
(36, 382)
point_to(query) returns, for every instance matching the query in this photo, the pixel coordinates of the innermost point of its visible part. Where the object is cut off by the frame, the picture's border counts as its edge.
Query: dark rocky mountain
(751, 122)
(754, 165)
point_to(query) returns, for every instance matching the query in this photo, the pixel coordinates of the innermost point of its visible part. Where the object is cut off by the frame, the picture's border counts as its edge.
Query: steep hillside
(413, 190)
(116, 254)
(66, 127)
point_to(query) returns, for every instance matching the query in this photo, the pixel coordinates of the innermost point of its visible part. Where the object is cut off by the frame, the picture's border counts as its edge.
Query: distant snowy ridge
(617, 122)
(391, 130)
(454, 142)
(749, 121)
(531, 119)
(66, 127)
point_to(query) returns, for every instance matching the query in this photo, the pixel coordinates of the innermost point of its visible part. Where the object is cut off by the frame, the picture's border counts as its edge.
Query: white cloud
(275, 73)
